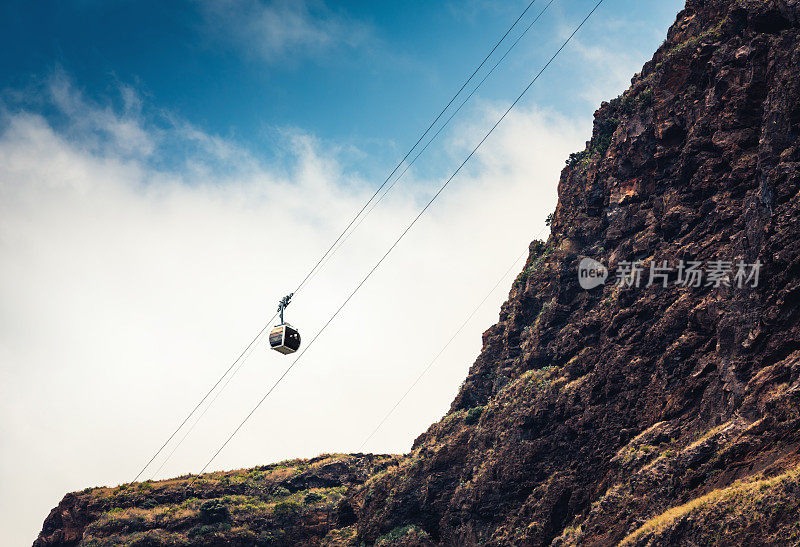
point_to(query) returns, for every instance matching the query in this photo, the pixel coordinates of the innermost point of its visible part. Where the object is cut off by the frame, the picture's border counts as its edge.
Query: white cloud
(616, 67)
(128, 285)
(615, 47)
(280, 30)
(101, 126)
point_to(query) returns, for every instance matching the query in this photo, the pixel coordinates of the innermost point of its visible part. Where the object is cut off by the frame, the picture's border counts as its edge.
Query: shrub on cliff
(473, 415)
(213, 511)
(286, 508)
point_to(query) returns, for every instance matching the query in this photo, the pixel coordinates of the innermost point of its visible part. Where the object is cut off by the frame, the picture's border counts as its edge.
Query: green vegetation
(313, 497)
(206, 529)
(598, 146)
(537, 381)
(539, 251)
(625, 104)
(213, 511)
(635, 453)
(572, 534)
(714, 33)
(628, 103)
(287, 508)
(119, 522)
(400, 534)
(473, 415)
(544, 309)
(149, 503)
(579, 158)
(150, 537)
(271, 537)
(605, 131)
(243, 507)
(221, 518)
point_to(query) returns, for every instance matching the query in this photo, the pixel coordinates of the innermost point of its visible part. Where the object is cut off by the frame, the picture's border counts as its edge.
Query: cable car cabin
(284, 338)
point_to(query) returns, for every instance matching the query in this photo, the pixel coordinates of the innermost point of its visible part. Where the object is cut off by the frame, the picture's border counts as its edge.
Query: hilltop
(648, 415)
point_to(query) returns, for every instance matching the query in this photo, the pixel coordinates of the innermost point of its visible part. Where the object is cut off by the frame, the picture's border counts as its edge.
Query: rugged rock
(653, 415)
(289, 503)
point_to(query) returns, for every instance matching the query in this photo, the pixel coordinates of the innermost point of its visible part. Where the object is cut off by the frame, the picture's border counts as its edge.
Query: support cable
(435, 135)
(444, 348)
(400, 238)
(333, 245)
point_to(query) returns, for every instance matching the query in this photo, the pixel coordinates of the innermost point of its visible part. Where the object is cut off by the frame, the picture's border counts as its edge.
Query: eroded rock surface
(652, 415)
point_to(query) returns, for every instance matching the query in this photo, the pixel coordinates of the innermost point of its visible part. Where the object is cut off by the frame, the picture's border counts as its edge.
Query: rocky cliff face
(645, 415)
(295, 502)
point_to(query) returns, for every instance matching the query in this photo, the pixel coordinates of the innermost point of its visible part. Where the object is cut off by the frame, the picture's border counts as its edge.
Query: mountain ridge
(639, 415)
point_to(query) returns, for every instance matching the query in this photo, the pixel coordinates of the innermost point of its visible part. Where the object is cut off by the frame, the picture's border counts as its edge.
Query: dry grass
(748, 496)
(167, 512)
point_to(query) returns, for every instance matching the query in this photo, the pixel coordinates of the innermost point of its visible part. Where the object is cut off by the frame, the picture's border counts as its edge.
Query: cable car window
(276, 337)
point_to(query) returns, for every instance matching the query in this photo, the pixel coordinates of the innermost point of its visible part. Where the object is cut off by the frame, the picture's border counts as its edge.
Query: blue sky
(363, 74)
(169, 170)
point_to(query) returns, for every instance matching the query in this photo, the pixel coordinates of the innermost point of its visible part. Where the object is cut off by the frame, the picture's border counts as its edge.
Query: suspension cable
(334, 244)
(419, 140)
(200, 417)
(400, 238)
(198, 405)
(447, 345)
(435, 135)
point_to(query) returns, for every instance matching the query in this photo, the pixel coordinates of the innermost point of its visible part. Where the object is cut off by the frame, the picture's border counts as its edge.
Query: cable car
(284, 338)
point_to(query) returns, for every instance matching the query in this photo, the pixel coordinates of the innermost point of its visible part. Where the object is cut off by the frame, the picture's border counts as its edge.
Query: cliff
(646, 415)
(288, 503)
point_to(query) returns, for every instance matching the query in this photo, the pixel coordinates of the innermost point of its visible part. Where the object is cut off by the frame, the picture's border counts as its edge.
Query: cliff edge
(659, 407)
